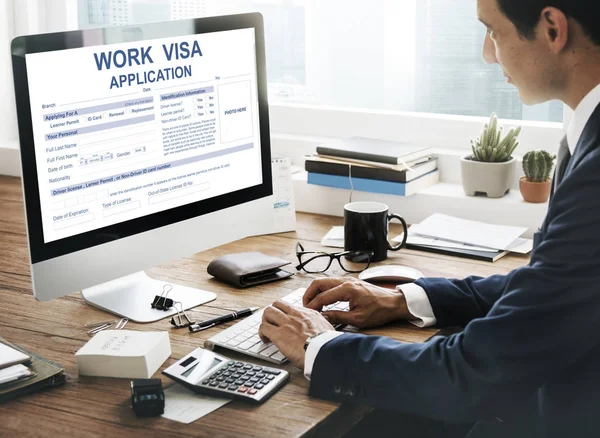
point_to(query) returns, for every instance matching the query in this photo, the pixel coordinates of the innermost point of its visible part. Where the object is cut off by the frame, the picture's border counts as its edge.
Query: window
(404, 55)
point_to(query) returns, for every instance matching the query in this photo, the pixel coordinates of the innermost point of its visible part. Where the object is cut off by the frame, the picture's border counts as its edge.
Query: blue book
(374, 185)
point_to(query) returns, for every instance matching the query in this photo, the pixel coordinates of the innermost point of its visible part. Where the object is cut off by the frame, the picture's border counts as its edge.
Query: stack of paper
(124, 353)
(461, 237)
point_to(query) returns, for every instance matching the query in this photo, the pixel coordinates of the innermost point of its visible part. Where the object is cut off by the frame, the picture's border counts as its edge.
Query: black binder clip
(161, 302)
(178, 320)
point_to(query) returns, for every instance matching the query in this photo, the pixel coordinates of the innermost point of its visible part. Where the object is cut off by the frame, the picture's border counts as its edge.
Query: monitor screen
(127, 130)
(131, 129)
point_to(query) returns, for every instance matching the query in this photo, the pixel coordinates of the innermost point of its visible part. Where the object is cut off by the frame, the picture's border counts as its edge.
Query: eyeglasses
(315, 262)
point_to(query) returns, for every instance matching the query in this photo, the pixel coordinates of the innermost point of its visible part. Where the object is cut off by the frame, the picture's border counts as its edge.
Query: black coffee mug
(366, 229)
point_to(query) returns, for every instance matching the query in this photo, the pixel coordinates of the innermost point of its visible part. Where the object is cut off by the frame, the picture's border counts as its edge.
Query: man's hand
(370, 305)
(289, 327)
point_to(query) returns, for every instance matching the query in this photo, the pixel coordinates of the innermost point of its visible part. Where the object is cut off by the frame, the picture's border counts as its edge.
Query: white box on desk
(124, 353)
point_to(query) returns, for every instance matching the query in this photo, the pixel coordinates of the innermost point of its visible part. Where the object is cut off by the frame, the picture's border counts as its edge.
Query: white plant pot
(490, 179)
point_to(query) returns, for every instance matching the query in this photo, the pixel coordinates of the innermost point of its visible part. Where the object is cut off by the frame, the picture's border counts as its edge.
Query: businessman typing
(526, 363)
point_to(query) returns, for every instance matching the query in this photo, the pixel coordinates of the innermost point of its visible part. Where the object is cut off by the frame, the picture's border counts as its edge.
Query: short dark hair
(525, 14)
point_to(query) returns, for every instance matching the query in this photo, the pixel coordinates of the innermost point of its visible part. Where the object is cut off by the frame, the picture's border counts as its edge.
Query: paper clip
(98, 327)
(121, 324)
(161, 302)
(179, 323)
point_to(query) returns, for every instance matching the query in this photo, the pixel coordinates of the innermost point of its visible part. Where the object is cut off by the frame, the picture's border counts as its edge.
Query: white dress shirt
(416, 299)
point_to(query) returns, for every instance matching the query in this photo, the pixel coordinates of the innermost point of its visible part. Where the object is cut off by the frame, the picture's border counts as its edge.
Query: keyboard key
(255, 339)
(246, 345)
(233, 343)
(259, 347)
(269, 351)
(278, 356)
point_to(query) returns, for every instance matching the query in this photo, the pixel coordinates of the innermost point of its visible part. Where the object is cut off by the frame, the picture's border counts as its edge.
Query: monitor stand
(131, 297)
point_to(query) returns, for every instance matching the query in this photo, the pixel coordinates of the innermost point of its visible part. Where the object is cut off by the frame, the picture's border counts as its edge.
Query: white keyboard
(243, 336)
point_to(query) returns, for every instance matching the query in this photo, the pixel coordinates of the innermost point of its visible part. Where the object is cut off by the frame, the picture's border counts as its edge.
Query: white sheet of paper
(521, 246)
(185, 406)
(476, 233)
(284, 210)
(432, 241)
(334, 238)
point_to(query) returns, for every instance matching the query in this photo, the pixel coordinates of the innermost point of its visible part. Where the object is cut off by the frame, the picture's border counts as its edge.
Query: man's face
(525, 63)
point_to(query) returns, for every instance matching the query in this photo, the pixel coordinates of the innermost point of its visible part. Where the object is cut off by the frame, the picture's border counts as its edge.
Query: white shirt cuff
(313, 349)
(418, 305)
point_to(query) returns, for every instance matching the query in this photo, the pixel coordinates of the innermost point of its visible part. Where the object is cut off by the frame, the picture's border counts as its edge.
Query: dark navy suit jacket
(529, 354)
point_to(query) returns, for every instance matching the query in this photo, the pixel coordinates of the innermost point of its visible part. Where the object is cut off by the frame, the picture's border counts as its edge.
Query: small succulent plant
(491, 147)
(537, 166)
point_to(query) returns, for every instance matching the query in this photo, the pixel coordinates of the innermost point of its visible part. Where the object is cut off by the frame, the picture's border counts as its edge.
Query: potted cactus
(490, 169)
(535, 185)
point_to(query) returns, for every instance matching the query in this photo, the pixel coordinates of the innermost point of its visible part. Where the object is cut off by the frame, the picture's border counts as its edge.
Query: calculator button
(231, 363)
(270, 377)
(260, 375)
(271, 371)
(254, 379)
(239, 382)
(227, 374)
(259, 386)
(247, 367)
(242, 389)
(221, 378)
(252, 391)
(250, 373)
(230, 380)
(206, 382)
(236, 376)
(214, 383)
(239, 364)
(256, 368)
(223, 385)
(265, 381)
(232, 388)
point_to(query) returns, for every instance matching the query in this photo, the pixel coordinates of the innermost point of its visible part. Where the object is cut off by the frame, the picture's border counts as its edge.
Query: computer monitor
(139, 145)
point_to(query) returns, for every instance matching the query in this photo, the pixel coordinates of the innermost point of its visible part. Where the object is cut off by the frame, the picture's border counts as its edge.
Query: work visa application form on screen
(130, 129)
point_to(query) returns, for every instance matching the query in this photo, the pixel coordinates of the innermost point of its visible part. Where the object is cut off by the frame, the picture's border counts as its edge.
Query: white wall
(8, 117)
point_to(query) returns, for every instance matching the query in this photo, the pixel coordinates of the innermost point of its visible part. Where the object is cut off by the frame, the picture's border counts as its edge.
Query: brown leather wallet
(247, 269)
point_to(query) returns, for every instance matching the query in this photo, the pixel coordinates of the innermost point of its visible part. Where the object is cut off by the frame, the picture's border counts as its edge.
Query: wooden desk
(100, 406)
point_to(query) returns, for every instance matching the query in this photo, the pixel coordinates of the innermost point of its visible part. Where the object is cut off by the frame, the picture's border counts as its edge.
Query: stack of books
(372, 165)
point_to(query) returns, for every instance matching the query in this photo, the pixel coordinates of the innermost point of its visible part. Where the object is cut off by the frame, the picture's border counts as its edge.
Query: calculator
(206, 372)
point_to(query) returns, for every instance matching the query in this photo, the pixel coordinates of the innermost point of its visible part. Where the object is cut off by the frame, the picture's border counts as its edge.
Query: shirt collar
(582, 116)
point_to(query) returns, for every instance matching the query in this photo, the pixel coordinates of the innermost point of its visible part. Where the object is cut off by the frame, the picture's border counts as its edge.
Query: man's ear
(554, 28)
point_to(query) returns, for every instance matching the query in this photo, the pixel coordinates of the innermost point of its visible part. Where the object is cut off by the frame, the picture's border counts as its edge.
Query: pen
(225, 318)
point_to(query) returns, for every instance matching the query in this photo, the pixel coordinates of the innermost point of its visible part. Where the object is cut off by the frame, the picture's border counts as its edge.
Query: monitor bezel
(41, 251)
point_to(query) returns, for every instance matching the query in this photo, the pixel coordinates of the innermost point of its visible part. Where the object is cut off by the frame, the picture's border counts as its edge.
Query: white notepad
(9, 356)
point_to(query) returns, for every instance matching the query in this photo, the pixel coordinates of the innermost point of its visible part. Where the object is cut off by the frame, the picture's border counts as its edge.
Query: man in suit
(527, 362)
